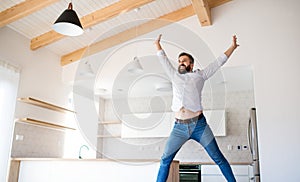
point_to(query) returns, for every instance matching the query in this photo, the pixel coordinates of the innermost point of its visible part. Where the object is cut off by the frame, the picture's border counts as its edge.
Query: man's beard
(182, 69)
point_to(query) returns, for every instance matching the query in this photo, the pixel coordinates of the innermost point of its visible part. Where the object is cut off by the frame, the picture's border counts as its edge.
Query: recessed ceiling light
(163, 87)
(223, 82)
(100, 91)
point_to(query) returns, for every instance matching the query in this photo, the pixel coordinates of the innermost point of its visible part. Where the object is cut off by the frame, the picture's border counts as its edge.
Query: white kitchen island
(91, 170)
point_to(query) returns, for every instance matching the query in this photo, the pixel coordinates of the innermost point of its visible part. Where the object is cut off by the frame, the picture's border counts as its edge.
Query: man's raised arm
(157, 43)
(165, 62)
(234, 45)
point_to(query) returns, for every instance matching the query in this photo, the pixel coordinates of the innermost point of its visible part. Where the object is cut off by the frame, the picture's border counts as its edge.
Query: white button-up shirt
(187, 87)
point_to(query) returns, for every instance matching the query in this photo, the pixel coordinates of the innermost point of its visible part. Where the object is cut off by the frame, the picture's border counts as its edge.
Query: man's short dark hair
(188, 55)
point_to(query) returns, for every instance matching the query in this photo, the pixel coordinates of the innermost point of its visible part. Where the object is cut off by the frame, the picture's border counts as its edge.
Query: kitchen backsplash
(234, 145)
(45, 142)
(37, 141)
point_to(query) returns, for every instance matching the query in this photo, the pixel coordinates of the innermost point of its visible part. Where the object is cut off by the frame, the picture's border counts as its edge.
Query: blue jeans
(200, 132)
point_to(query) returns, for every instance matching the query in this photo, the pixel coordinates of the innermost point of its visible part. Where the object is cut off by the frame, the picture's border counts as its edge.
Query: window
(9, 81)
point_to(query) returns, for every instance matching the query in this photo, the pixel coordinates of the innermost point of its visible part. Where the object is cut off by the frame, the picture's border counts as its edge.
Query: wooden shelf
(110, 122)
(44, 104)
(44, 123)
(108, 136)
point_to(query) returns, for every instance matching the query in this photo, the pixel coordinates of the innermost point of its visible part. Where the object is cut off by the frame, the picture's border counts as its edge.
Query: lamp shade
(86, 70)
(135, 66)
(68, 23)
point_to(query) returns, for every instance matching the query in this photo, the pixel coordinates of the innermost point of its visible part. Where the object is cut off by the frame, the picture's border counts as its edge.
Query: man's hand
(234, 45)
(234, 42)
(157, 42)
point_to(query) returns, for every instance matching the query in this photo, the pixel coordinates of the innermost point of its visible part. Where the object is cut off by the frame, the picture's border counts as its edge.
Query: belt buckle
(184, 121)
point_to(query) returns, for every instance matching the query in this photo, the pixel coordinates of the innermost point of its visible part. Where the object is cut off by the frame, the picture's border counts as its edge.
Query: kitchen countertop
(121, 160)
(88, 159)
(212, 163)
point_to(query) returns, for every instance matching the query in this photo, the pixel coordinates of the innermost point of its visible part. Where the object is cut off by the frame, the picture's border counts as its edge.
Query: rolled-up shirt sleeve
(214, 66)
(166, 64)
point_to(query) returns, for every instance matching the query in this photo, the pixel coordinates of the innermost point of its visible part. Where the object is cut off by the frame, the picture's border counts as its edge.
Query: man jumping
(190, 122)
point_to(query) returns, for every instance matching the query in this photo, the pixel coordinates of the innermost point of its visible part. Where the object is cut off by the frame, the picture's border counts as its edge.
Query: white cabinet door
(213, 179)
(222, 179)
(87, 170)
(242, 178)
(212, 173)
(143, 125)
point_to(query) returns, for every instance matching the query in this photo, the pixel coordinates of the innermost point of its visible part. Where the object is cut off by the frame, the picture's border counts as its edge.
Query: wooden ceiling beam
(128, 34)
(89, 20)
(202, 10)
(215, 3)
(22, 9)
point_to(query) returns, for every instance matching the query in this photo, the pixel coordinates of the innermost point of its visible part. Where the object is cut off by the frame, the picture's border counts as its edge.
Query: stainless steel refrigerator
(253, 145)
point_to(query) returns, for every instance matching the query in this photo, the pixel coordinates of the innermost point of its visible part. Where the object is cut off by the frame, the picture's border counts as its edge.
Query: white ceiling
(41, 21)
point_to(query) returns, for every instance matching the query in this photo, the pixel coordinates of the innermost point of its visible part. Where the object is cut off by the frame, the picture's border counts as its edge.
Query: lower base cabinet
(87, 170)
(222, 179)
(212, 173)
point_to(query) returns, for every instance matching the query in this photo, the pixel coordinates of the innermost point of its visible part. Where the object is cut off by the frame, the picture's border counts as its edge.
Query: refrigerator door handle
(249, 135)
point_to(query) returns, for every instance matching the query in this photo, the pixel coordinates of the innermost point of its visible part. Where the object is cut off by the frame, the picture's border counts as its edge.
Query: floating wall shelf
(109, 136)
(110, 122)
(43, 123)
(44, 104)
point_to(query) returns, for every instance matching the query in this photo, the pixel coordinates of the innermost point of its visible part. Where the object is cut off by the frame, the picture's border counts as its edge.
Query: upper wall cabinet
(142, 125)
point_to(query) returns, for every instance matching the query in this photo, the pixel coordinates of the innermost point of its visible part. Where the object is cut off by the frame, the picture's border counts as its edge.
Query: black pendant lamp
(68, 23)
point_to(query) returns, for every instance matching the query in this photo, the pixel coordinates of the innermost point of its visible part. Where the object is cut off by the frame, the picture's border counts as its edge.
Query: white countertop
(119, 160)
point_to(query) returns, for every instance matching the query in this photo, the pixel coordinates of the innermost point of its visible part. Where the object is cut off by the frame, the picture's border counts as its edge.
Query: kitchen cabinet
(143, 125)
(78, 170)
(212, 173)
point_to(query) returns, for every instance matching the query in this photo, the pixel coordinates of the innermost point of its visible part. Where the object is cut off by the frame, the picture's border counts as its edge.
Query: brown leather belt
(190, 120)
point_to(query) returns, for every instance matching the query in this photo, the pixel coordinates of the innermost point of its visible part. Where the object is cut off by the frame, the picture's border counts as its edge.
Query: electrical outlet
(245, 147)
(229, 147)
(19, 137)
(238, 147)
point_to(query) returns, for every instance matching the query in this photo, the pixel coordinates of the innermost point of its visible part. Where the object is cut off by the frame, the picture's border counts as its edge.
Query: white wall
(268, 31)
(40, 69)
(41, 77)
(9, 81)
